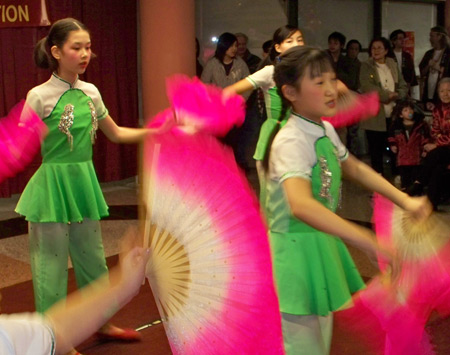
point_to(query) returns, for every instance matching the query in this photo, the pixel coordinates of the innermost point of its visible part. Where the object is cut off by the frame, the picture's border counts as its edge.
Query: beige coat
(370, 81)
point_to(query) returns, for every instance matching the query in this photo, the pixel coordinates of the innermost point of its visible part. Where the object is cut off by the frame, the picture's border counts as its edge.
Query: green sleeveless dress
(65, 187)
(314, 272)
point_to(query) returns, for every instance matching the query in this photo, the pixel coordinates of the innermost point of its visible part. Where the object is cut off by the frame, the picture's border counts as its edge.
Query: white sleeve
(26, 334)
(92, 91)
(291, 156)
(334, 137)
(263, 78)
(34, 100)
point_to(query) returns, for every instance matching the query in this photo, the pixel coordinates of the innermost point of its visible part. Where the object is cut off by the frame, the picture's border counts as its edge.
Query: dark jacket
(409, 146)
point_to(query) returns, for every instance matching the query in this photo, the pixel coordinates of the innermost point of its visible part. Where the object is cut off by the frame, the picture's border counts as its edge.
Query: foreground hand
(133, 260)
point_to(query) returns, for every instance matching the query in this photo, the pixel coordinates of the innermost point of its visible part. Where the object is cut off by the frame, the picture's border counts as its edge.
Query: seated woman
(437, 161)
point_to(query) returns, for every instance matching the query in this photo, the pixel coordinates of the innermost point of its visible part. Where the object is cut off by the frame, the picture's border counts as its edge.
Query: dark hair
(339, 37)
(397, 120)
(386, 45)
(57, 36)
(444, 35)
(293, 65)
(225, 41)
(267, 45)
(279, 36)
(352, 41)
(395, 34)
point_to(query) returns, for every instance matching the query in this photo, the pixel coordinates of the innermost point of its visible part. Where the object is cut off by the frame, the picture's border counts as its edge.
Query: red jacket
(409, 149)
(440, 129)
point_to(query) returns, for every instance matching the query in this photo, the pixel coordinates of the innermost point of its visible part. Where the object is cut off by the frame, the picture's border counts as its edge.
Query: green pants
(308, 334)
(50, 246)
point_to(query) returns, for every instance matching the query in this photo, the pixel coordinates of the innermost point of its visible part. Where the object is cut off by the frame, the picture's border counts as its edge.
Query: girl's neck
(69, 77)
(380, 61)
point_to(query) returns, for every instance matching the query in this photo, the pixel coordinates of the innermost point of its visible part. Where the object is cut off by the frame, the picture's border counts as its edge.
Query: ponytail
(42, 57)
(281, 120)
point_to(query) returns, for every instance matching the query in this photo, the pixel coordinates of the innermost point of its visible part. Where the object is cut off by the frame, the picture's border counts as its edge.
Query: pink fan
(21, 134)
(204, 107)
(397, 310)
(210, 269)
(354, 107)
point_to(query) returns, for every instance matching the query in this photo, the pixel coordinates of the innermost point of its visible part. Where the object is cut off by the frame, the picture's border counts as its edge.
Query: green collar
(320, 124)
(64, 81)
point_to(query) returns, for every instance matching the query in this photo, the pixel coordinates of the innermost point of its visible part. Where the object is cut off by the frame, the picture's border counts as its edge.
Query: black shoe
(416, 189)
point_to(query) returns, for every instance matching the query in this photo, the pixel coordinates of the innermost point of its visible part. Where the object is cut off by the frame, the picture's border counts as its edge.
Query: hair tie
(278, 59)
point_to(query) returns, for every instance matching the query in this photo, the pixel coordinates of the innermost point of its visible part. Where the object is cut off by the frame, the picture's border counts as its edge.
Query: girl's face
(444, 92)
(231, 52)
(316, 97)
(73, 58)
(378, 51)
(407, 113)
(296, 39)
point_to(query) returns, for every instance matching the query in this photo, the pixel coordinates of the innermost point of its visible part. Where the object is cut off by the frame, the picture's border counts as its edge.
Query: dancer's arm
(85, 311)
(305, 207)
(242, 86)
(361, 173)
(119, 134)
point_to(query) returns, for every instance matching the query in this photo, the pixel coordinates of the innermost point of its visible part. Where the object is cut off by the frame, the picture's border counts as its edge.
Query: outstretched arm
(361, 173)
(119, 134)
(305, 207)
(241, 87)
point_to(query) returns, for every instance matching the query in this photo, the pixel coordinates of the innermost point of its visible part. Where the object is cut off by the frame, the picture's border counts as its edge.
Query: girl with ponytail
(313, 270)
(63, 201)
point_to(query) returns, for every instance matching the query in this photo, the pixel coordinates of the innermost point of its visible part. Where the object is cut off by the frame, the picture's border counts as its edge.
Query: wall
(256, 18)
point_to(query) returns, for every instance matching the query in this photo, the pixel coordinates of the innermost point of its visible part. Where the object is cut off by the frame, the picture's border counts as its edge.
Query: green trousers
(50, 246)
(308, 334)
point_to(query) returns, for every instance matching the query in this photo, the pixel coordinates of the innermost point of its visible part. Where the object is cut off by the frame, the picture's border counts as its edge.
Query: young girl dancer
(407, 137)
(313, 270)
(284, 38)
(63, 201)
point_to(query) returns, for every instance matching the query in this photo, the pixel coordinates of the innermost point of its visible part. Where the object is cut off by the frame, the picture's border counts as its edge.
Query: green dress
(314, 272)
(65, 187)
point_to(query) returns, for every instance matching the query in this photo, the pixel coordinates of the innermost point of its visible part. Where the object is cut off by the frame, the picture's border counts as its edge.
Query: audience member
(250, 59)
(407, 137)
(246, 134)
(351, 67)
(434, 65)
(380, 73)
(224, 69)
(404, 60)
(336, 43)
(434, 174)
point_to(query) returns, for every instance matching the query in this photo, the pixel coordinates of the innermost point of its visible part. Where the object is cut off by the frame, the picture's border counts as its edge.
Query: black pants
(408, 174)
(434, 174)
(377, 146)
